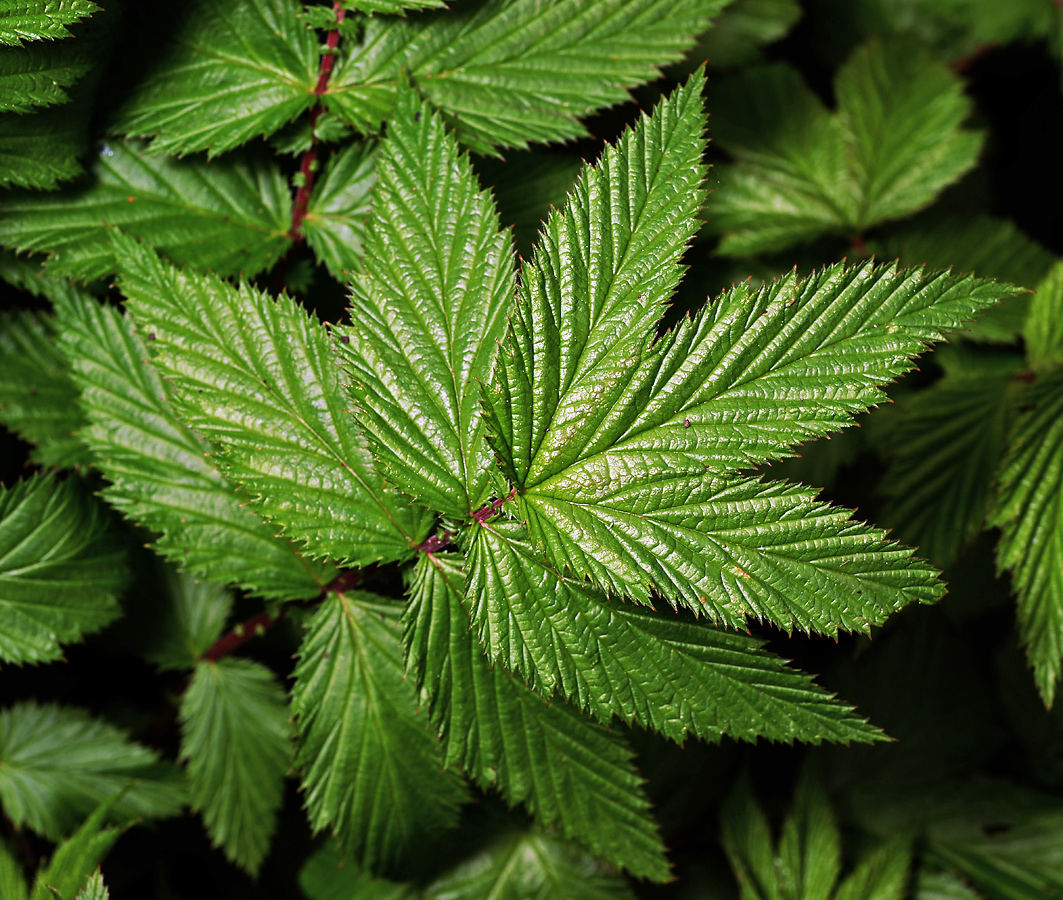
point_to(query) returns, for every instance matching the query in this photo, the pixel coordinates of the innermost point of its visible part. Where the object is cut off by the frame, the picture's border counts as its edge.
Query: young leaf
(36, 75)
(94, 889)
(159, 471)
(389, 7)
(667, 674)
(12, 879)
(945, 443)
(193, 617)
(237, 69)
(746, 838)
(34, 20)
(529, 866)
(427, 319)
(231, 216)
(333, 225)
(370, 768)
(1028, 509)
(61, 568)
(235, 742)
(255, 377)
(57, 765)
(809, 849)
(507, 72)
(79, 855)
(38, 398)
(568, 770)
(801, 172)
(1043, 330)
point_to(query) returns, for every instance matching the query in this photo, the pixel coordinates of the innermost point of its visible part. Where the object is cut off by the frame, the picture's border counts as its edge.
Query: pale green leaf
(190, 618)
(737, 36)
(36, 75)
(255, 376)
(160, 472)
(236, 69)
(339, 205)
(12, 878)
(235, 741)
(568, 770)
(38, 398)
(76, 858)
(894, 143)
(945, 444)
(882, 875)
(329, 875)
(506, 72)
(529, 866)
(427, 310)
(230, 215)
(94, 889)
(62, 566)
(34, 20)
(1043, 330)
(1028, 509)
(57, 765)
(591, 295)
(669, 674)
(370, 768)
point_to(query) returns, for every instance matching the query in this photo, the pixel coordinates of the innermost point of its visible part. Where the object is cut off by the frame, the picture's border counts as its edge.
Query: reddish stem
(346, 581)
(482, 515)
(434, 543)
(241, 634)
(306, 164)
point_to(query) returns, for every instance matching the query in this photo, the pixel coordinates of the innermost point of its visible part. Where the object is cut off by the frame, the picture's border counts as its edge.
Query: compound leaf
(76, 857)
(38, 397)
(507, 72)
(370, 768)
(159, 471)
(231, 216)
(235, 742)
(340, 201)
(34, 20)
(329, 875)
(254, 375)
(62, 566)
(737, 36)
(427, 318)
(237, 69)
(57, 765)
(667, 674)
(883, 875)
(1028, 508)
(568, 770)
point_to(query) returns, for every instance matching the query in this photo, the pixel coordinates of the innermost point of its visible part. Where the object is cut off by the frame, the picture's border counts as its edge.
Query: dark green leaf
(36, 75)
(34, 20)
(193, 616)
(334, 224)
(1043, 329)
(79, 855)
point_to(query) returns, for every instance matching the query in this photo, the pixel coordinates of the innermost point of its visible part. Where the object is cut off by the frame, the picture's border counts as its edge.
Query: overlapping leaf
(35, 76)
(235, 742)
(370, 767)
(334, 224)
(671, 675)
(40, 150)
(189, 619)
(1043, 329)
(507, 72)
(94, 889)
(231, 216)
(159, 471)
(1028, 509)
(427, 310)
(38, 398)
(62, 565)
(568, 770)
(34, 20)
(237, 69)
(894, 143)
(389, 7)
(255, 377)
(57, 765)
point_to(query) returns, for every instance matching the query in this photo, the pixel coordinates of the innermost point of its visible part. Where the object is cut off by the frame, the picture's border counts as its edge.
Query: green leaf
(810, 844)
(329, 875)
(254, 375)
(231, 216)
(192, 617)
(426, 320)
(370, 767)
(946, 443)
(38, 397)
(62, 566)
(57, 765)
(595, 287)
(40, 150)
(507, 72)
(746, 838)
(883, 875)
(159, 471)
(612, 658)
(34, 20)
(94, 889)
(801, 172)
(389, 7)
(737, 36)
(12, 879)
(340, 201)
(36, 75)
(79, 855)
(236, 69)
(1043, 330)
(235, 742)
(981, 244)
(568, 770)
(529, 866)
(1028, 509)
